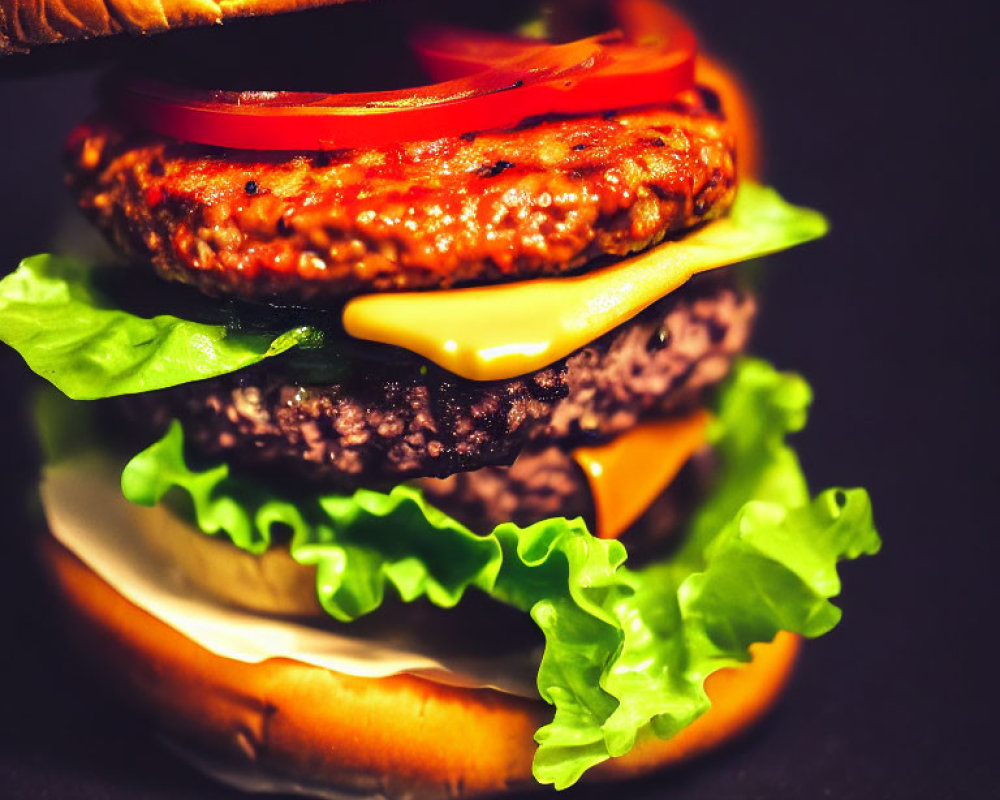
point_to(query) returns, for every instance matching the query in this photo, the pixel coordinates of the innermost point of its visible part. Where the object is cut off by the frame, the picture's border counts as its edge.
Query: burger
(407, 447)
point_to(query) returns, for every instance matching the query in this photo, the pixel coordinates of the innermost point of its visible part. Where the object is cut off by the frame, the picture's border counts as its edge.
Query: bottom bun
(396, 737)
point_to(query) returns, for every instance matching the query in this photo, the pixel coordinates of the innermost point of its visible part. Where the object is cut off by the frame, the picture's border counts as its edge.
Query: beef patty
(404, 419)
(547, 483)
(544, 199)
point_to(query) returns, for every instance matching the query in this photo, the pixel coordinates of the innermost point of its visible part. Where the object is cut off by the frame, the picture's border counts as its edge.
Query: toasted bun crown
(24, 23)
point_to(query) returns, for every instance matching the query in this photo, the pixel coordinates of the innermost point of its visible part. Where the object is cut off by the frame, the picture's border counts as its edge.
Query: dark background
(878, 114)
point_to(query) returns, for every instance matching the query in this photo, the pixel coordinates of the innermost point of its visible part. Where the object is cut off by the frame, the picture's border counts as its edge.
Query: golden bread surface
(26, 23)
(391, 737)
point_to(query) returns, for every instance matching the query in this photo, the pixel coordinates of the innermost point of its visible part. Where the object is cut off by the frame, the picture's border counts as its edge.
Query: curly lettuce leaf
(69, 334)
(363, 541)
(626, 651)
(758, 557)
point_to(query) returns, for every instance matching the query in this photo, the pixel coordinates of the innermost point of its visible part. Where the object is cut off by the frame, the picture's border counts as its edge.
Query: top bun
(24, 23)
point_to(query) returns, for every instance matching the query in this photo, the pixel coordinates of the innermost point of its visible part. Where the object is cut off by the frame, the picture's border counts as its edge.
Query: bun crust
(24, 23)
(393, 737)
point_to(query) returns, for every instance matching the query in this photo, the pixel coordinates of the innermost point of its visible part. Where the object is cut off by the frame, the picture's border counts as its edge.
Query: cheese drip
(499, 332)
(628, 473)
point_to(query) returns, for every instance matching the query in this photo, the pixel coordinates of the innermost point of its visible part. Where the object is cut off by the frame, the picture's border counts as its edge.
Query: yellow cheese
(497, 332)
(629, 472)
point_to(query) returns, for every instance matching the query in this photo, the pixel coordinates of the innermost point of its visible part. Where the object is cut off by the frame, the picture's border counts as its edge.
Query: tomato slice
(448, 52)
(487, 82)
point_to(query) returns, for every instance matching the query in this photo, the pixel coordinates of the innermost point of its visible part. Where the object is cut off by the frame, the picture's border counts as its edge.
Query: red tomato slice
(497, 82)
(449, 52)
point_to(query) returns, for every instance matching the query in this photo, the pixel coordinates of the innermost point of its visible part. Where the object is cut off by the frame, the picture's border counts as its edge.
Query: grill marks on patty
(541, 200)
(544, 199)
(401, 421)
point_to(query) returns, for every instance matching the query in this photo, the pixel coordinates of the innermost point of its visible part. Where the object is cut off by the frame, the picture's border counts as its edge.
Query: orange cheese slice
(629, 472)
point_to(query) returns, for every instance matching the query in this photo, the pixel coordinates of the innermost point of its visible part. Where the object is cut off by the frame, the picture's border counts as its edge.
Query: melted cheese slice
(499, 332)
(628, 473)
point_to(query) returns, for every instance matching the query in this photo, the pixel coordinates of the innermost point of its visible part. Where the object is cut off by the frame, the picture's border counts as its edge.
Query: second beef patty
(393, 421)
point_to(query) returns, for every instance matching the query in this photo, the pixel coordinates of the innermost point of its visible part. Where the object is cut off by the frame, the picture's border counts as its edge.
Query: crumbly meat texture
(547, 483)
(659, 363)
(544, 199)
(387, 422)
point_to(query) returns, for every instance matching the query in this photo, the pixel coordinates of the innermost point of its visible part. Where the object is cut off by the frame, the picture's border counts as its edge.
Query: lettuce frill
(626, 651)
(52, 313)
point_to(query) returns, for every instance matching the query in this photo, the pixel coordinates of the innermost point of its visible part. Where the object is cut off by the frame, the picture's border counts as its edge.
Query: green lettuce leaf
(54, 315)
(51, 313)
(758, 558)
(627, 651)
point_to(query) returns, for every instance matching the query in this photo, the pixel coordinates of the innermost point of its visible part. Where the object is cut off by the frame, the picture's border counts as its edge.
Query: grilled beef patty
(384, 422)
(547, 483)
(544, 199)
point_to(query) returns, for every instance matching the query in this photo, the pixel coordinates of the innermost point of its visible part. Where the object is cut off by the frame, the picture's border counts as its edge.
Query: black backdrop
(879, 115)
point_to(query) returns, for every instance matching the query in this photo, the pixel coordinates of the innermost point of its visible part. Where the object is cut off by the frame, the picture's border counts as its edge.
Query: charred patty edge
(544, 199)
